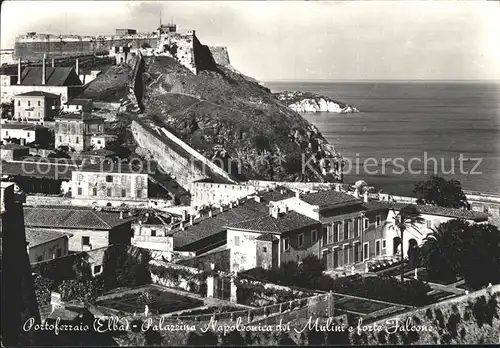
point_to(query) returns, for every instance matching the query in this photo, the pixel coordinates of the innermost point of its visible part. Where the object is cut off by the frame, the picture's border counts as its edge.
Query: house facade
(78, 105)
(76, 130)
(46, 244)
(36, 107)
(109, 181)
(152, 231)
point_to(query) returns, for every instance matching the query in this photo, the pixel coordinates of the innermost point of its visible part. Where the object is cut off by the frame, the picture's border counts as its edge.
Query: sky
(300, 40)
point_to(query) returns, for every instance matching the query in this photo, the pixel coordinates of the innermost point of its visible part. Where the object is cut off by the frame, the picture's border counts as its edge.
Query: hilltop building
(36, 107)
(62, 81)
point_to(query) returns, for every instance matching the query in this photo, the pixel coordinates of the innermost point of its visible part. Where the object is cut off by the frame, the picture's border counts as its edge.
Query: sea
(407, 130)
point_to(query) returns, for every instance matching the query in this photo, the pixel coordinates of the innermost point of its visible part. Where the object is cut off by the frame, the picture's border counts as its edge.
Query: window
(264, 249)
(18, 103)
(367, 223)
(29, 103)
(79, 191)
(379, 219)
(336, 232)
(356, 252)
(300, 239)
(58, 252)
(77, 140)
(97, 269)
(39, 258)
(39, 103)
(124, 179)
(60, 139)
(356, 228)
(428, 223)
(384, 244)
(314, 236)
(286, 244)
(335, 257)
(377, 247)
(109, 178)
(94, 191)
(85, 240)
(330, 234)
(108, 192)
(124, 193)
(28, 134)
(325, 234)
(29, 114)
(99, 142)
(346, 254)
(153, 233)
(7, 133)
(346, 229)
(139, 193)
(237, 240)
(366, 251)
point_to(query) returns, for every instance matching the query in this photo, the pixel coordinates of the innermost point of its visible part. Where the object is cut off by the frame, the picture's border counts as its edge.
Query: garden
(159, 301)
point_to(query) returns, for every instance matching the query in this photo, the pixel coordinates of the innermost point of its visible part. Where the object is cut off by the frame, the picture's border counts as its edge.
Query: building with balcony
(36, 107)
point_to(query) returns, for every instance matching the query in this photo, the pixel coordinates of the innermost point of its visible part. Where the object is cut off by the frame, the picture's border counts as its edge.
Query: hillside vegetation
(225, 115)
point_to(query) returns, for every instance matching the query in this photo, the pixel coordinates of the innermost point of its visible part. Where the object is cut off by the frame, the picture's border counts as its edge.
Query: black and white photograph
(249, 173)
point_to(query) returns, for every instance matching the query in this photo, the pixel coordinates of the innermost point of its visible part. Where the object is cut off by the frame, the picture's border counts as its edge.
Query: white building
(46, 244)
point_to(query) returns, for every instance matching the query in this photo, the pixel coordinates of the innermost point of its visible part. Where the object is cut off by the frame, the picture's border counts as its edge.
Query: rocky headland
(309, 102)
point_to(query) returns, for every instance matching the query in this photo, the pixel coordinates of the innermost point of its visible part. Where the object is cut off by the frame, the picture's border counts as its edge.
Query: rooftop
(287, 222)
(431, 210)
(38, 236)
(108, 166)
(39, 94)
(79, 101)
(79, 116)
(57, 76)
(99, 152)
(24, 126)
(72, 217)
(13, 147)
(57, 171)
(208, 227)
(327, 198)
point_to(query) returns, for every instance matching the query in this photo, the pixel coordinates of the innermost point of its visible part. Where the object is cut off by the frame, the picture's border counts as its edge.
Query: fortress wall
(180, 47)
(167, 157)
(220, 54)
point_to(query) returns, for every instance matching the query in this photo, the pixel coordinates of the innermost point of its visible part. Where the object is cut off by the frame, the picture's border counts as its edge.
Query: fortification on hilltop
(165, 41)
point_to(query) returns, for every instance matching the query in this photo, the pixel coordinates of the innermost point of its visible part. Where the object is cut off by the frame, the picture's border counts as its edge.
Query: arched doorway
(396, 242)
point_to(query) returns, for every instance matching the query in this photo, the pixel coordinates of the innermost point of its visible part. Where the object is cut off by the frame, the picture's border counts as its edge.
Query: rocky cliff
(237, 122)
(309, 102)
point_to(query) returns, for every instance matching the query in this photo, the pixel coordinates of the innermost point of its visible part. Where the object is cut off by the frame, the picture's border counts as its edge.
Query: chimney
(297, 194)
(121, 215)
(76, 67)
(365, 196)
(43, 69)
(184, 215)
(191, 219)
(53, 62)
(221, 208)
(210, 213)
(19, 71)
(274, 211)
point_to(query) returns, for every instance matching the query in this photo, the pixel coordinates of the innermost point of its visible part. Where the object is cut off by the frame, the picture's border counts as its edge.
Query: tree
(125, 266)
(311, 269)
(442, 251)
(408, 216)
(441, 192)
(457, 248)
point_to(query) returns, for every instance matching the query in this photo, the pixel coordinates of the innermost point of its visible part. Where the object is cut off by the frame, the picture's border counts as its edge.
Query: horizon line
(380, 80)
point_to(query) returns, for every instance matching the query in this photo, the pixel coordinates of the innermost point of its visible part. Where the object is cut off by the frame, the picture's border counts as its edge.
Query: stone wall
(216, 194)
(294, 186)
(178, 159)
(220, 54)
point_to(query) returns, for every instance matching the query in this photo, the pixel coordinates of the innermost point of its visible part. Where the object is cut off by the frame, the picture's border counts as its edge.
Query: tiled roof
(33, 169)
(111, 167)
(39, 94)
(25, 126)
(72, 217)
(287, 222)
(330, 197)
(13, 147)
(214, 225)
(57, 76)
(431, 210)
(78, 116)
(37, 236)
(268, 237)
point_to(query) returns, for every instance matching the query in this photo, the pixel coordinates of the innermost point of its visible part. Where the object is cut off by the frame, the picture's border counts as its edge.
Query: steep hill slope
(224, 115)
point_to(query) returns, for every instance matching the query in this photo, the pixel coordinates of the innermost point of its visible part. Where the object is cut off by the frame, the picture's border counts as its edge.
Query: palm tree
(408, 216)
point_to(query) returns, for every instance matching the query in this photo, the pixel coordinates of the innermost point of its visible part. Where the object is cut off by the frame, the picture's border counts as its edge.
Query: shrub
(453, 321)
(439, 317)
